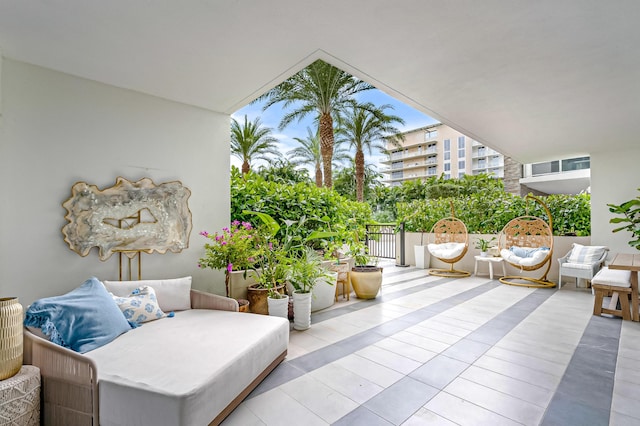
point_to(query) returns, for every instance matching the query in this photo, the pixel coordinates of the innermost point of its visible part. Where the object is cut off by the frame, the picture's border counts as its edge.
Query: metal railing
(380, 240)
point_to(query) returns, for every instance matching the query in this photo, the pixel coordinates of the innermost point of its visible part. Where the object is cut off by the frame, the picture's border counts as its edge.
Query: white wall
(58, 129)
(614, 180)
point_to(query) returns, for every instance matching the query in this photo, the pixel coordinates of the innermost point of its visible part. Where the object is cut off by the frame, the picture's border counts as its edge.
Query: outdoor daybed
(193, 368)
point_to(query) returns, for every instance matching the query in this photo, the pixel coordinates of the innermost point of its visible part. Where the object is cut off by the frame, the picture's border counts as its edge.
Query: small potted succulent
(484, 245)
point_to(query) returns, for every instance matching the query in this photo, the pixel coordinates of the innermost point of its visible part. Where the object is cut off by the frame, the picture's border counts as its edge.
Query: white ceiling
(533, 79)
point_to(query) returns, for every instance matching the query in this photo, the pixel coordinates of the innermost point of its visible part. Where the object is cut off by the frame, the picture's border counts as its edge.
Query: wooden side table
(490, 260)
(20, 398)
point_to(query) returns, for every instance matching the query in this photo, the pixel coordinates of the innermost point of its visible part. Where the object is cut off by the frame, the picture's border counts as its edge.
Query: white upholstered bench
(616, 283)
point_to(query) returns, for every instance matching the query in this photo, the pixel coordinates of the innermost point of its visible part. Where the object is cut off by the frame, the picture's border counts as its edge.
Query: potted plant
(366, 276)
(630, 210)
(304, 272)
(484, 245)
(233, 249)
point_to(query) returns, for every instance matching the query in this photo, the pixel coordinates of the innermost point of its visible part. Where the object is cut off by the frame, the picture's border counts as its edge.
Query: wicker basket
(10, 337)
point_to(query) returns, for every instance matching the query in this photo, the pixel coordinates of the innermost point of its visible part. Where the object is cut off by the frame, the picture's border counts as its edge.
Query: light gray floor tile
(401, 400)
(440, 371)
(464, 412)
(498, 402)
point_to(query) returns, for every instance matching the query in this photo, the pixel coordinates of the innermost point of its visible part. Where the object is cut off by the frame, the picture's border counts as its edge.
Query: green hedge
(488, 215)
(324, 209)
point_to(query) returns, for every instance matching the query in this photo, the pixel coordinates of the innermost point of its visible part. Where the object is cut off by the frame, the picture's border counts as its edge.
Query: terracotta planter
(243, 305)
(11, 343)
(366, 281)
(258, 298)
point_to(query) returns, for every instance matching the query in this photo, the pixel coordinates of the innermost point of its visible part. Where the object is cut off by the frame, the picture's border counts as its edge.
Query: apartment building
(439, 150)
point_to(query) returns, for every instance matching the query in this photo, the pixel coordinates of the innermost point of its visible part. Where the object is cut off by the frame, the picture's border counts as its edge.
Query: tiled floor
(439, 351)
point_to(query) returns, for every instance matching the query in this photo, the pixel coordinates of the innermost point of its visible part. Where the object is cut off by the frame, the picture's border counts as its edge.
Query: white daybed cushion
(446, 250)
(173, 294)
(184, 370)
(535, 258)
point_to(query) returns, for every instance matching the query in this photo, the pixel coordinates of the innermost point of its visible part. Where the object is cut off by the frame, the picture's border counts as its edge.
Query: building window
(447, 176)
(460, 142)
(447, 145)
(430, 134)
(447, 167)
(461, 165)
(580, 163)
(460, 174)
(545, 168)
(447, 156)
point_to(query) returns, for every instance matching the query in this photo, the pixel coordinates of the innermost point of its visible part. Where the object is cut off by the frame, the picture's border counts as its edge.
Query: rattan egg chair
(526, 243)
(450, 243)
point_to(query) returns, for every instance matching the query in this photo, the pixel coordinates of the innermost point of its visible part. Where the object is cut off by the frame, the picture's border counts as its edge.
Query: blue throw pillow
(83, 319)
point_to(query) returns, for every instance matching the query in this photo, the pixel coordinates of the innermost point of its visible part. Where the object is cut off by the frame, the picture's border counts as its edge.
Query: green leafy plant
(484, 245)
(303, 271)
(630, 210)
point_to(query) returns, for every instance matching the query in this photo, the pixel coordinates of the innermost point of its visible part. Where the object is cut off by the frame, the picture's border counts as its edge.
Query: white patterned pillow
(140, 306)
(585, 254)
(173, 294)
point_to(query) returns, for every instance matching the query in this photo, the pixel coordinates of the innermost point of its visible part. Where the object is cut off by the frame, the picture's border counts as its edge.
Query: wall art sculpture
(129, 218)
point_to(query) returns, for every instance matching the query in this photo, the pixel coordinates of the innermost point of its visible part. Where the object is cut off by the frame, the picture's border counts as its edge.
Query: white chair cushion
(446, 250)
(533, 258)
(585, 254)
(569, 265)
(618, 278)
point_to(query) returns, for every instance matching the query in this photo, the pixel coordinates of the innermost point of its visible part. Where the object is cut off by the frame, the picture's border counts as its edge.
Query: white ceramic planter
(301, 310)
(279, 307)
(423, 257)
(324, 292)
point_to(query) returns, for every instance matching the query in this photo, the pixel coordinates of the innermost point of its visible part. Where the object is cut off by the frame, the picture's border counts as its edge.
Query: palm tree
(367, 126)
(308, 153)
(251, 141)
(319, 89)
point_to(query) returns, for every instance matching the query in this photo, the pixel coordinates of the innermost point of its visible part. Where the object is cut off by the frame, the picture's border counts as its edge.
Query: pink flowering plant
(233, 249)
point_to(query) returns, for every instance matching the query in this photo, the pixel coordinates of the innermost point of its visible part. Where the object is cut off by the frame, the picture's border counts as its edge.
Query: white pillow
(140, 306)
(173, 294)
(585, 254)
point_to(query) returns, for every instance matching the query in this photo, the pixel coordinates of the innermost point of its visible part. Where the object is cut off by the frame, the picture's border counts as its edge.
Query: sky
(271, 118)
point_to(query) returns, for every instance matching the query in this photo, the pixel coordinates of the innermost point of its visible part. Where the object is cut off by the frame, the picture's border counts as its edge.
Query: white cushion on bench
(615, 277)
(184, 370)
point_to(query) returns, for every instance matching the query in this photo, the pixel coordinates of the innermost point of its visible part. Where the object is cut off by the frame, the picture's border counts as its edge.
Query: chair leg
(559, 280)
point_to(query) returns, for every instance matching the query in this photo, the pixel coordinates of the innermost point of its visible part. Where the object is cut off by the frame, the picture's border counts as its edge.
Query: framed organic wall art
(129, 217)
